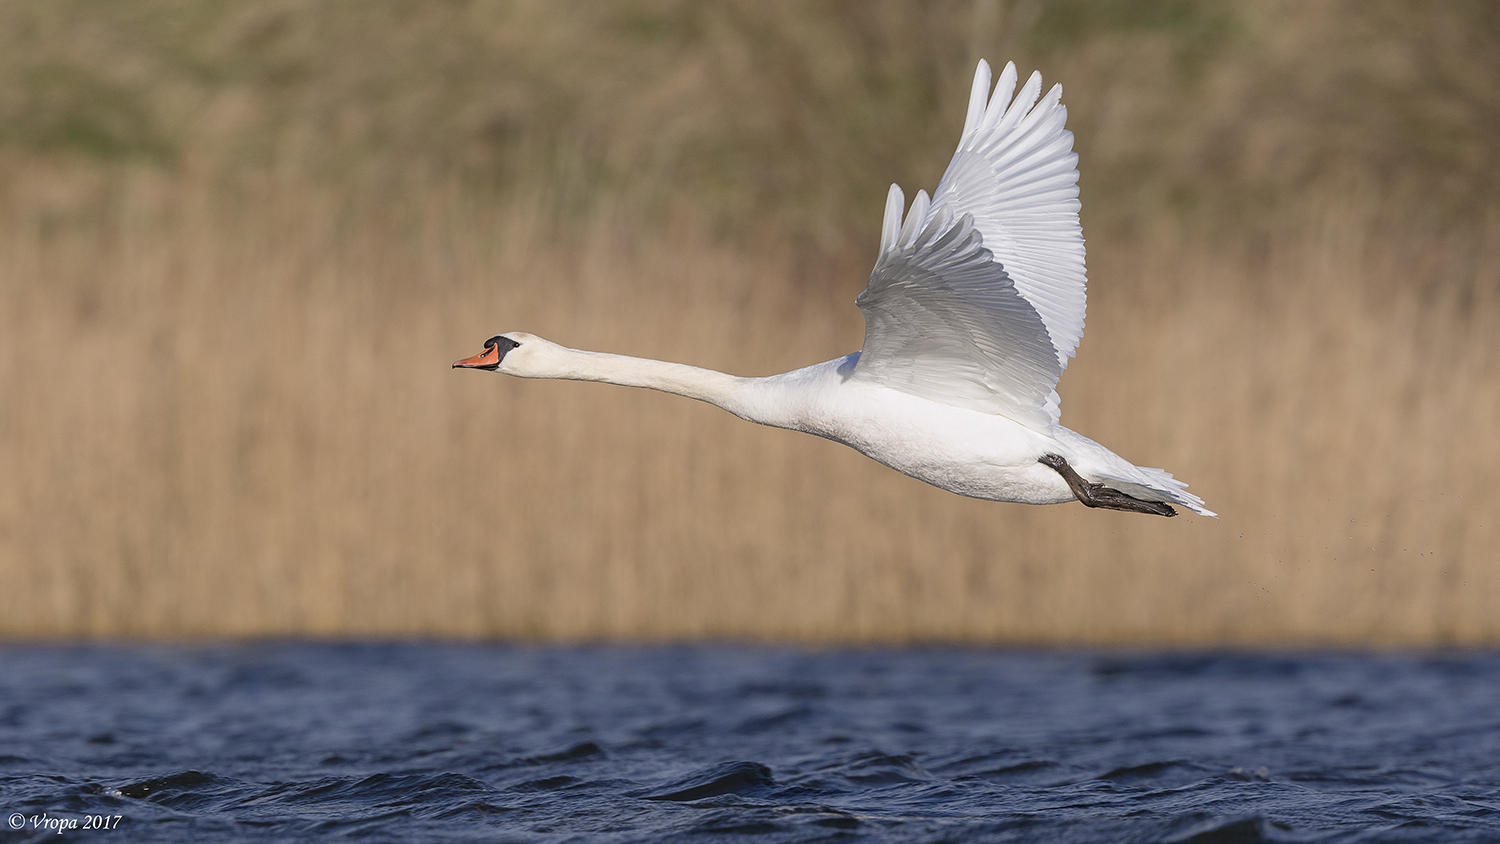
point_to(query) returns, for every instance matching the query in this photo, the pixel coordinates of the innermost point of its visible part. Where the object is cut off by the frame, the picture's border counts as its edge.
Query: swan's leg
(1099, 495)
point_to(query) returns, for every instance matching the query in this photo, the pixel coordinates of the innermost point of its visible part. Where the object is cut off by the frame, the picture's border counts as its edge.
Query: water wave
(442, 742)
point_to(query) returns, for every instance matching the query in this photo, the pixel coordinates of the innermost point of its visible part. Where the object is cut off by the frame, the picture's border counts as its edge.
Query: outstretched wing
(977, 297)
(944, 321)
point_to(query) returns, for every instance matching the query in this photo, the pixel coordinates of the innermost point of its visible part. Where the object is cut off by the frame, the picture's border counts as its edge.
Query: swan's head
(516, 353)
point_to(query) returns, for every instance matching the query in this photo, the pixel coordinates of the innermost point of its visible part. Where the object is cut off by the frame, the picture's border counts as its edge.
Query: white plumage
(987, 322)
(974, 308)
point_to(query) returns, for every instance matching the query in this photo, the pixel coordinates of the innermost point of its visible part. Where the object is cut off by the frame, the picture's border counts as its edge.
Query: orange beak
(487, 359)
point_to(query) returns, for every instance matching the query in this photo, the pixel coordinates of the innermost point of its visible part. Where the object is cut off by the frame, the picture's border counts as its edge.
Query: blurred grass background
(240, 243)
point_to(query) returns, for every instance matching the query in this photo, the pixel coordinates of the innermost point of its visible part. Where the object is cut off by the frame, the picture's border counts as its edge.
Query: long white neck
(748, 398)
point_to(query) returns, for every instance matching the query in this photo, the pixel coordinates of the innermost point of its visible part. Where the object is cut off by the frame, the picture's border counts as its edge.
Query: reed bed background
(241, 243)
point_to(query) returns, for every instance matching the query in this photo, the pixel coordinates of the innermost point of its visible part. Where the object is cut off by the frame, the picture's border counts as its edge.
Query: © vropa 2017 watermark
(48, 822)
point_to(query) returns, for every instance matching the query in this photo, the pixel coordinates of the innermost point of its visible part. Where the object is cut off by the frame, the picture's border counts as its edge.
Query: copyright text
(47, 822)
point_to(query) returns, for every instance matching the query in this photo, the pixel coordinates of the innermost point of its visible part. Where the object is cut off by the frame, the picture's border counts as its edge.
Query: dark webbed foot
(1099, 495)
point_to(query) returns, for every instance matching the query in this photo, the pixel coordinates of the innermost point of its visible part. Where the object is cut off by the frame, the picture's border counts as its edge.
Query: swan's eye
(501, 344)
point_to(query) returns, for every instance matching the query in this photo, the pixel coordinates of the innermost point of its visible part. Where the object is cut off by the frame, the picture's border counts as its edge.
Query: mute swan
(973, 309)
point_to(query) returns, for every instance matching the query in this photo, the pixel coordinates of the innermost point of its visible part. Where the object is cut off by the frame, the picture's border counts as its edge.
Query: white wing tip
(914, 219)
(979, 97)
(890, 228)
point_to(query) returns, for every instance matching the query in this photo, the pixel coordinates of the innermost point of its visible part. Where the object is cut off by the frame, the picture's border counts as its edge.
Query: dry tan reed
(240, 244)
(237, 418)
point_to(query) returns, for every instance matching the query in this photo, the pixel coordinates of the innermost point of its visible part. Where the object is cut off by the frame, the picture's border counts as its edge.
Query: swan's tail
(1100, 465)
(1157, 485)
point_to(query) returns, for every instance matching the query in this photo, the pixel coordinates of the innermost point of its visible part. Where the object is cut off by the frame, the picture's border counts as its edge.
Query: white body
(981, 455)
(972, 312)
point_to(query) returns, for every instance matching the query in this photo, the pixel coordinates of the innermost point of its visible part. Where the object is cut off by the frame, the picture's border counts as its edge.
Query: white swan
(974, 307)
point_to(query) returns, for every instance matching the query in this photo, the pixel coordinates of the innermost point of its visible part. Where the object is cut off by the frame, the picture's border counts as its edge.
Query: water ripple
(440, 742)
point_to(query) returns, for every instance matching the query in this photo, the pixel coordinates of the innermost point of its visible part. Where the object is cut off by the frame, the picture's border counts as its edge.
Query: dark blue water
(437, 742)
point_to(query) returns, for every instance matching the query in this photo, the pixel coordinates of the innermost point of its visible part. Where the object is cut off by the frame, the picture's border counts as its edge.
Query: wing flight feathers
(977, 297)
(977, 99)
(890, 229)
(943, 321)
